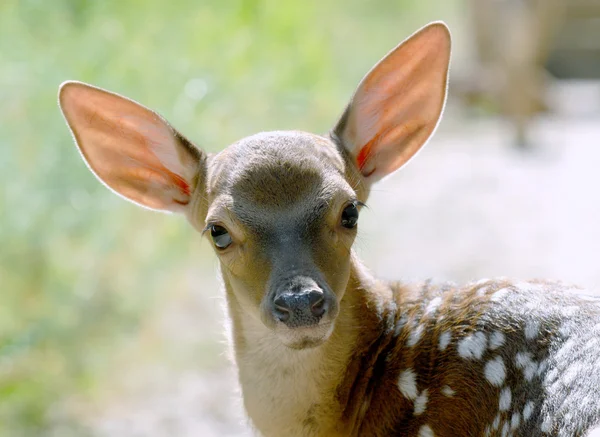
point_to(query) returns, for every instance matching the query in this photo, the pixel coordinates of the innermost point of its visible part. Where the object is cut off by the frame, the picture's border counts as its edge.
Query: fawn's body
(323, 348)
(436, 360)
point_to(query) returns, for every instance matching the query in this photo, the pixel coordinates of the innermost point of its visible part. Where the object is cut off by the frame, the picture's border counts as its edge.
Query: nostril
(299, 309)
(318, 308)
(281, 310)
(317, 302)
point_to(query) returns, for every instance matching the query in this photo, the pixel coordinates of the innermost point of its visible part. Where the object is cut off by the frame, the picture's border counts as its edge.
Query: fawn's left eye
(350, 216)
(220, 236)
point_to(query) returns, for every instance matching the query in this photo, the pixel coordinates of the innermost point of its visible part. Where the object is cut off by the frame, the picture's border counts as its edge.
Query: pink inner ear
(183, 186)
(154, 157)
(397, 105)
(129, 148)
(364, 154)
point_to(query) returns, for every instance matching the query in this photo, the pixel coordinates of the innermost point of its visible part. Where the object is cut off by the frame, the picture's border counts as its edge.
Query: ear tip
(65, 88)
(440, 28)
(439, 24)
(70, 86)
(66, 85)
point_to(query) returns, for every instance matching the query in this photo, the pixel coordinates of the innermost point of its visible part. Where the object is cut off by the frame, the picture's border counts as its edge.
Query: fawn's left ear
(131, 149)
(398, 104)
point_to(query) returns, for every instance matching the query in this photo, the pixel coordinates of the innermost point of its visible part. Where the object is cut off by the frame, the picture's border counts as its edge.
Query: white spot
(572, 372)
(407, 383)
(530, 371)
(483, 291)
(433, 305)
(515, 421)
(565, 329)
(527, 410)
(523, 361)
(400, 324)
(567, 350)
(532, 305)
(379, 304)
(421, 402)
(546, 425)
(495, 371)
(532, 329)
(505, 429)
(592, 343)
(505, 399)
(552, 375)
(497, 339)
(444, 340)
(447, 391)
(500, 294)
(496, 422)
(570, 311)
(426, 431)
(472, 346)
(415, 336)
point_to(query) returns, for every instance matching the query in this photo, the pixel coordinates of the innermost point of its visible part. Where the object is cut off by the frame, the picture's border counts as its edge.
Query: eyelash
(208, 226)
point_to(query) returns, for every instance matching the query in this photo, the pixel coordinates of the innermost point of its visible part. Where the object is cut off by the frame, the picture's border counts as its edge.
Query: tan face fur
(281, 196)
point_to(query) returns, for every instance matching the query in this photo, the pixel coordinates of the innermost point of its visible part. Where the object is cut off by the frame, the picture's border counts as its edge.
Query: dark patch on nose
(296, 309)
(298, 295)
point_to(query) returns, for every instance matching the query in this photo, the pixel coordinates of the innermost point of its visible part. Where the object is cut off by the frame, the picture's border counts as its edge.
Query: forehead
(278, 172)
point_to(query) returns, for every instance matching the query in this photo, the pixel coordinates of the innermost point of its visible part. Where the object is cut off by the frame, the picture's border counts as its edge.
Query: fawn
(322, 347)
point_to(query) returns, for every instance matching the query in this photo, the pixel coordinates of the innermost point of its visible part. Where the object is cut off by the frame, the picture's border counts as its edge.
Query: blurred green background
(83, 274)
(110, 316)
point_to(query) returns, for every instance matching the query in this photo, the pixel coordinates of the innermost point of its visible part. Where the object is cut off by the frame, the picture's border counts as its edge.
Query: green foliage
(79, 267)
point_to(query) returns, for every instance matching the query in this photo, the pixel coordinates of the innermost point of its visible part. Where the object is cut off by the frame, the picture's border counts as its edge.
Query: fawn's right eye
(220, 236)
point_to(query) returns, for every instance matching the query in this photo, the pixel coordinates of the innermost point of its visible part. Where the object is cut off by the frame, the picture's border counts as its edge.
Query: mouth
(305, 337)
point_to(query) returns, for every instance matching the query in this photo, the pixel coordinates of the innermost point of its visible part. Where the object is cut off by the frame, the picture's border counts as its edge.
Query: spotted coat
(491, 359)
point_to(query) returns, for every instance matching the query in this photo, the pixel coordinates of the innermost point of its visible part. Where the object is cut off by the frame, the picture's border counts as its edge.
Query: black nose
(297, 309)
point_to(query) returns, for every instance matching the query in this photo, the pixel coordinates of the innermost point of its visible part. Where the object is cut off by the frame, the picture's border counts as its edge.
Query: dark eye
(350, 216)
(220, 236)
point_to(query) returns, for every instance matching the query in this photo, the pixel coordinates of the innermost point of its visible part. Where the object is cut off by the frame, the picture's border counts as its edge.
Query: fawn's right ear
(130, 148)
(398, 104)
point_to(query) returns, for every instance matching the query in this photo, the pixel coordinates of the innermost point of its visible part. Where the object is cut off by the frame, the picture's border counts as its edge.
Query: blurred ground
(468, 206)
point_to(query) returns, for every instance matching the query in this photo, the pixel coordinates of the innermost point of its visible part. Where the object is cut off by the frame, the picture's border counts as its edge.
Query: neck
(308, 392)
